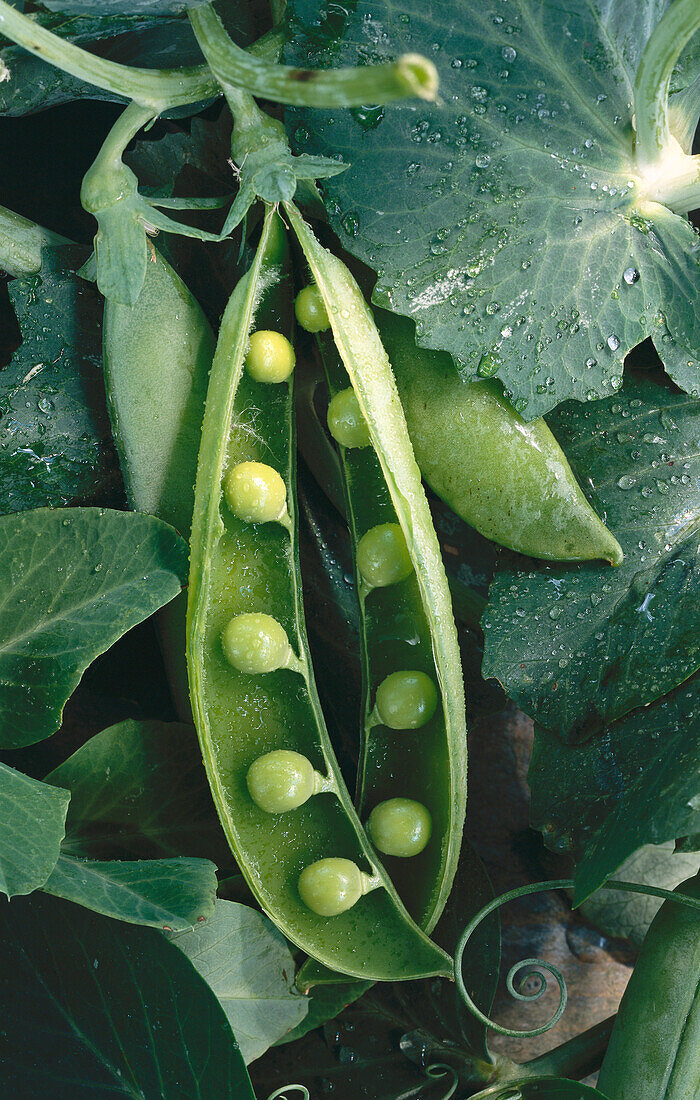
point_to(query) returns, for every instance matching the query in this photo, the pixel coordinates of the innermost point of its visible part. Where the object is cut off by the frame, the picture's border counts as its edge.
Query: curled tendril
(539, 965)
(441, 1069)
(281, 1094)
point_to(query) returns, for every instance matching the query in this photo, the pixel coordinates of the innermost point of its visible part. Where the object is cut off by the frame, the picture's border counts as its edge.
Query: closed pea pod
(508, 478)
(288, 817)
(409, 639)
(654, 1049)
(157, 356)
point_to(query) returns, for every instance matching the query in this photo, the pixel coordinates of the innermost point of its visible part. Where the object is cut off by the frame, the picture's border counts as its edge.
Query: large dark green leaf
(72, 581)
(55, 439)
(578, 646)
(32, 823)
(250, 968)
(96, 1008)
(163, 893)
(635, 783)
(541, 1088)
(141, 786)
(506, 219)
(122, 7)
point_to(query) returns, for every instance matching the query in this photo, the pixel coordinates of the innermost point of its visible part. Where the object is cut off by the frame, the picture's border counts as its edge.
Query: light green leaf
(141, 786)
(249, 966)
(508, 220)
(578, 646)
(32, 822)
(164, 893)
(95, 1008)
(72, 581)
(629, 915)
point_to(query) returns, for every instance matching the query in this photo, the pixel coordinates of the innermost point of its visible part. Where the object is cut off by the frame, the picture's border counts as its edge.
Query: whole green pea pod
(157, 356)
(506, 477)
(654, 1050)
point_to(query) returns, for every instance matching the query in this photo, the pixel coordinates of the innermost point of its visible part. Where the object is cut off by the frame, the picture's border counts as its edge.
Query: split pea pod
(506, 477)
(157, 355)
(412, 780)
(272, 771)
(654, 1049)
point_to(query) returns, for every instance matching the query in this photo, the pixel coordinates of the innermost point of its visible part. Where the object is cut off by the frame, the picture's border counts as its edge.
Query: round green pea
(406, 700)
(255, 492)
(255, 643)
(400, 827)
(346, 422)
(382, 556)
(270, 357)
(330, 886)
(280, 781)
(310, 310)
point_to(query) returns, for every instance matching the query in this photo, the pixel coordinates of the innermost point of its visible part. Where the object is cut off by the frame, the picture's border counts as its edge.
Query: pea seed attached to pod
(256, 643)
(255, 492)
(330, 886)
(270, 357)
(346, 423)
(406, 700)
(281, 780)
(400, 827)
(310, 310)
(383, 557)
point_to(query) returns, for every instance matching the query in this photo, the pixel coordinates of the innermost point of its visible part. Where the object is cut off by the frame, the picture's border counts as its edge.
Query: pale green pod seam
(505, 476)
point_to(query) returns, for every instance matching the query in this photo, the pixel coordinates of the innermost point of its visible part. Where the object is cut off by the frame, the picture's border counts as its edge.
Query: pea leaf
(170, 893)
(72, 581)
(55, 438)
(508, 220)
(540, 1088)
(122, 7)
(32, 822)
(249, 966)
(96, 1007)
(629, 915)
(140, 787)
(636, 783)
(577, 646)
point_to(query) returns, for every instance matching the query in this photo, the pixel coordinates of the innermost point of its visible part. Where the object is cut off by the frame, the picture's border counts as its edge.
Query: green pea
(255, 492)
(346, 423)
(270, 357)
(310, 310)
(280, 781)
(330, 886)
(256, 643)
(382, 556)
(400, 827)
(406, 700)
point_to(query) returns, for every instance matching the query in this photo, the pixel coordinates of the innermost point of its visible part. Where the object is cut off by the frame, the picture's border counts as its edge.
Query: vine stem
(670, 175)
(410, 75)
(157, 89)
(540, 964)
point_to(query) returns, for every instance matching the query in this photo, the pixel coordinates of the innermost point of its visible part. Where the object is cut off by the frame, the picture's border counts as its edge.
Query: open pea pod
(415, 738)
(288, 816)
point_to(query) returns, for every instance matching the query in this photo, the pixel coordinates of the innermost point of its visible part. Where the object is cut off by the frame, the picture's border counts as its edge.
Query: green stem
(157, 89)
(576, 1058)
(669, 37)
(103, 181)
(410, 75)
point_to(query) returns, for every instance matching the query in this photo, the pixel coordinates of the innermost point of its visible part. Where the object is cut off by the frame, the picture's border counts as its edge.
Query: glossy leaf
(140, 786)
(248, 965)
(55, 440)
(72, 581)
(508, 220)
(578, 647)
(635, 783)
(94, 1006)
(122, 7)
(162, 893)
(32, 823)
(540, 1088)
